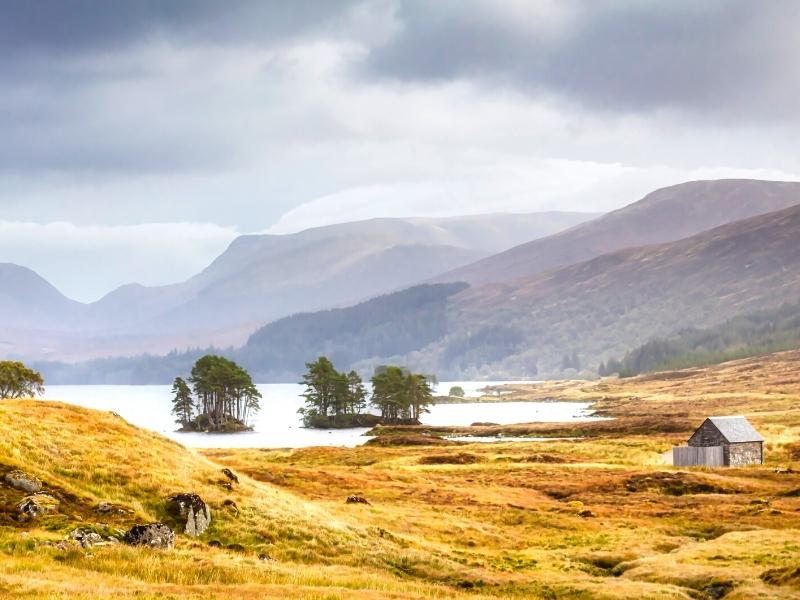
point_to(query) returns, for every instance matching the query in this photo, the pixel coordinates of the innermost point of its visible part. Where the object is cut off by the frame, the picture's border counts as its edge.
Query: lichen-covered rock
(193, 514)
(86, 538)
(37, 505)
(153, 535)
(20, 480)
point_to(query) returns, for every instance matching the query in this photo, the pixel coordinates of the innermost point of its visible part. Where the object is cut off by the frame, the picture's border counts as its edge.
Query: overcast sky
(138, 138)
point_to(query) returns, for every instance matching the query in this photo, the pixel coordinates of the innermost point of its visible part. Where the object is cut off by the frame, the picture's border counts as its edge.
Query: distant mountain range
(562, 321)
(259, 278)
(665, 215)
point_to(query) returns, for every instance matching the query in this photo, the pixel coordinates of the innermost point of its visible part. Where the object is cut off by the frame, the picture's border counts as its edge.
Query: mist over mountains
(259, 278)
(560, 321)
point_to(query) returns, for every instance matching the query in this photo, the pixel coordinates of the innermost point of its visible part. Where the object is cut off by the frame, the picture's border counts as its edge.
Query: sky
(139, 138)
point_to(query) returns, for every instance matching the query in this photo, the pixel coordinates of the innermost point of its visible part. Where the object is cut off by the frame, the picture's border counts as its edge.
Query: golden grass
(596, 517)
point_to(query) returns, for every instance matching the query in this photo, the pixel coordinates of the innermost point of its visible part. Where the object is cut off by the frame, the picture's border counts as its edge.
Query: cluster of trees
(222, 396)
(401, 396)
(335, 399)
(456, 392)
(747, 335)
(332, 398)
(19, 381)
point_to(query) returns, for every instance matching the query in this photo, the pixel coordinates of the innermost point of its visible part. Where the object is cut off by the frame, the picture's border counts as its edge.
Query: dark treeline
(335, 399)
(223, 396)
(741, 337)
(389, 325)
(385, 326)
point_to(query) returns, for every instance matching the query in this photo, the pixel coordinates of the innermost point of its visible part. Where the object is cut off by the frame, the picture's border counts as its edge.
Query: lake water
(278, 425)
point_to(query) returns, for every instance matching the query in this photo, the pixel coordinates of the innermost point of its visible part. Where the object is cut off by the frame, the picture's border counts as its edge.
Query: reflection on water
(278, 425)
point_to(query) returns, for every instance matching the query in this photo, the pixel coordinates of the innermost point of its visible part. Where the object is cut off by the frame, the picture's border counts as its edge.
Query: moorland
(592, 514)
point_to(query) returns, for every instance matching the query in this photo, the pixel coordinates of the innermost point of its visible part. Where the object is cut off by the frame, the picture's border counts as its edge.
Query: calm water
(278, 424)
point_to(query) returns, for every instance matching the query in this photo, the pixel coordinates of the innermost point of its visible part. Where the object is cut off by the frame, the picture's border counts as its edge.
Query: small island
(222, 397)
(338, 400)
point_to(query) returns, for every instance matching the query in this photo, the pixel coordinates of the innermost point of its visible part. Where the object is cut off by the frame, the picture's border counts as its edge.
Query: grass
(593, 517)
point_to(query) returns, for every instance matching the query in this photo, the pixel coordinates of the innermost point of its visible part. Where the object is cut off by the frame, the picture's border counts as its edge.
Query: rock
(227, 485)
(236, 548)
(266, 557)
(230, 475)
(106, 508)
(154, 535)
(194, 514)
(62, 546)
(86, 538)
(20, 480)
(586, 513)
(215, 544)
(37, 505)
(357, 500)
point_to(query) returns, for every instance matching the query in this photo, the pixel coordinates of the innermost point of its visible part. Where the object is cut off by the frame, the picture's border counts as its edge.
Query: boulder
(193, 514)
(153, 535)
(37, 505)
(20, 480)
(86, 538)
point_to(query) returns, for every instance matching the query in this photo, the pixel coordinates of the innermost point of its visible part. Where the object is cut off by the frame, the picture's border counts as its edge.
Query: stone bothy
(741, 443)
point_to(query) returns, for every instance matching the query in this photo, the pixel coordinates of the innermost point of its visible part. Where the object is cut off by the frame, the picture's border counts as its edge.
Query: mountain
(610, 304)
(260, 278)
(27, 300)
(667, 214)
(554, 324)
(570, 319)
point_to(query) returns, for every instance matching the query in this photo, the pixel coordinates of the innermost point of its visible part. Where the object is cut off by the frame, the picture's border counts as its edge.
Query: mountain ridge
(262, 277)
(706, 204)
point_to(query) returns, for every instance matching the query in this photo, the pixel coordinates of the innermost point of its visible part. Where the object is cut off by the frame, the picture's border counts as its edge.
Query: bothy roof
(736, 429)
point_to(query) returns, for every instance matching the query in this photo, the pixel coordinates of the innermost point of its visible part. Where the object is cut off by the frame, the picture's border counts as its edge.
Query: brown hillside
(665, 215)
(609, 304)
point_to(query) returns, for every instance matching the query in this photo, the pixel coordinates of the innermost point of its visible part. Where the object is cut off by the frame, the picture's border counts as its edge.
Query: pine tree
(182, 402)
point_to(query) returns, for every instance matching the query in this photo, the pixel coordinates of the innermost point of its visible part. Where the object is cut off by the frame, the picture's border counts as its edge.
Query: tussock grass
(594, 517)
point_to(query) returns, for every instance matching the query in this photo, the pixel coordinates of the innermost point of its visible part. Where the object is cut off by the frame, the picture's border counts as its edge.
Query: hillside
(606, 306)
(28, 300)
(556, 324)
(308, 547)
(390, 325)
(667, 214)
(747, 335)
(600, 308)
(444, 519)
(260, 278)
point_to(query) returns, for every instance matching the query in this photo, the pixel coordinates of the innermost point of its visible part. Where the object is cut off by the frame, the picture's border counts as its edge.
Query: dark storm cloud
(84, 88)
(732, 56)
(89, 25)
